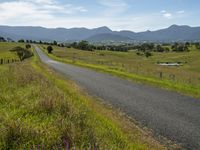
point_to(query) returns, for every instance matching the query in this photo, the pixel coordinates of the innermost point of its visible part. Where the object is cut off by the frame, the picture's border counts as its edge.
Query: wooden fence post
(189, 81)
(172, 76)
(161, 75)
(74, 58)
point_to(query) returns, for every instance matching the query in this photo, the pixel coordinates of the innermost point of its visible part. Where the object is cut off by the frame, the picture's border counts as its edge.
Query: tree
(187, 44)
(74, 45)
(21, 41)
(159, 48)
(146, 47)
(167, 49)
(22, 53)
(49, 49)
(28, 46)
(148, 54)
(180, 47)
(61, 45)
(174, 47)
(2, 39)
(84, 45)
(55, 43)
(197, 45)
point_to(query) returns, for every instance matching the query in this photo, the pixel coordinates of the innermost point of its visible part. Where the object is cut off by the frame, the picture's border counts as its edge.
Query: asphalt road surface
(172, 115)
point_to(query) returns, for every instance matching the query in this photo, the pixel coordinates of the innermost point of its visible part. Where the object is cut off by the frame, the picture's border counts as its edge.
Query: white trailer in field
(170, 64)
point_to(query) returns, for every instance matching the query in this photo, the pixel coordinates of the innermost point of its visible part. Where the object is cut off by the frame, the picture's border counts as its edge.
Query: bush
(28, 46)
(84, 45)
(21, 41)
(139, 54)
(148, 54)
(2, 39)
(159, 48)
(22, 53)
(180, 47)
(49, 49)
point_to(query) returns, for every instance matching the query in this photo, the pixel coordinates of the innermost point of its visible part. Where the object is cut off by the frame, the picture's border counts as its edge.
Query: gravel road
(167, 113)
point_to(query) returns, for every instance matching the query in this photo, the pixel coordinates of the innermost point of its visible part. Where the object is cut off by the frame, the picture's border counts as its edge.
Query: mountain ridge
(170, 34)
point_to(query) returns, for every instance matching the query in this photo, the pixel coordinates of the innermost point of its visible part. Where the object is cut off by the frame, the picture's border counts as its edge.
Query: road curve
(167, 113)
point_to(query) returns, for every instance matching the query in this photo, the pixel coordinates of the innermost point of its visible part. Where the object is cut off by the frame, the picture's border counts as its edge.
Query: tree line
(2, 39)
(142, 48)
(150, 47)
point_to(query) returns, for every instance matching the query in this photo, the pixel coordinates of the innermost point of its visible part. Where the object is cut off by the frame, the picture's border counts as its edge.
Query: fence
(8, 61)
(182, 77)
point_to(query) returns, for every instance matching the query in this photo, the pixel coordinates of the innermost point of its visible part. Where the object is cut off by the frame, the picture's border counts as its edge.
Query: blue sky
(135, 15)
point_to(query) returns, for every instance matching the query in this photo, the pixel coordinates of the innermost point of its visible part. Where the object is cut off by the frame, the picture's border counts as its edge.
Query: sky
(135, 15)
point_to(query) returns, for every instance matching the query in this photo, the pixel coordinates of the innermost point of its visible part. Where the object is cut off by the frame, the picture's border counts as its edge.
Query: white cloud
(181, 12)
(163, 11)
(16, 11)
(51, 13)
(50, 2)
(167, 15)
(81, 9)
(113, 3)
(113, 7)
(170, 15)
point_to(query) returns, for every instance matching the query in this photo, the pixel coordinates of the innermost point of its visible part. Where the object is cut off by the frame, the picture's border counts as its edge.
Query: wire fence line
(8, 61)
(138, 69)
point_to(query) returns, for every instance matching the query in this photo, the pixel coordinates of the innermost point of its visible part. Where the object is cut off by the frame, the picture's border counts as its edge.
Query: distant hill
(108, 37)
(49, 34)
(171, 34)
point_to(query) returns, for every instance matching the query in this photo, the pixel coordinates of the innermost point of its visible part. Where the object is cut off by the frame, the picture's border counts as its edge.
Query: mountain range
(102, 34)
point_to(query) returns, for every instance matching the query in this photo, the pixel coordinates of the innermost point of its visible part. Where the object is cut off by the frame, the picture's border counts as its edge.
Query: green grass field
(184, 79)
(40, 109)
(5, 48)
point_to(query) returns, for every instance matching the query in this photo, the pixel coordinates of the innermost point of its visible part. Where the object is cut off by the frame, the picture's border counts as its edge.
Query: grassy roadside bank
(181, 87)
(40, 109)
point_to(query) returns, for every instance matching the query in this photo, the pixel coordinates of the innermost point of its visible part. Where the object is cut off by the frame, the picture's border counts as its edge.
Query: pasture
(132, 64)
(5, 48)
(6, 56)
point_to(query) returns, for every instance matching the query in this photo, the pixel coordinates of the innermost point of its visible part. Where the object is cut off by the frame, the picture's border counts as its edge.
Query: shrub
(28, 46)
(21, 41)
(49, 49)
(139, 54)
(159, 48)
(148, 54)
(22, 53)
(2, 39)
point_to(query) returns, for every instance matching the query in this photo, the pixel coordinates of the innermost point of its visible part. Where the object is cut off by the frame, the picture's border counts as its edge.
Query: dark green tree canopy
(49, 49)
(28, 46)
(22, 53)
